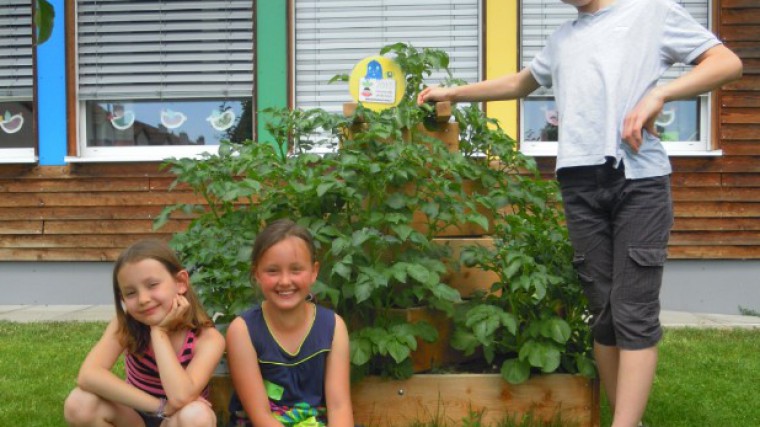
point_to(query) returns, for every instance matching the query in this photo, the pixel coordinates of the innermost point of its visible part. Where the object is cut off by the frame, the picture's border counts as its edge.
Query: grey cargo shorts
(619, 230)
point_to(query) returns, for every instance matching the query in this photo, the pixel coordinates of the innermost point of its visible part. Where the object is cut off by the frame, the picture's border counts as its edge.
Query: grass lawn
(705, 377)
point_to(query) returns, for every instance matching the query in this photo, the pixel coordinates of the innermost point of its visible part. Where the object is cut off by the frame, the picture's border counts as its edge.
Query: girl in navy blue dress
(288, 357)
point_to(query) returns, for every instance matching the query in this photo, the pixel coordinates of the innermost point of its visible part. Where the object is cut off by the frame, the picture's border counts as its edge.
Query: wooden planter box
(448, 398)
(467, 280)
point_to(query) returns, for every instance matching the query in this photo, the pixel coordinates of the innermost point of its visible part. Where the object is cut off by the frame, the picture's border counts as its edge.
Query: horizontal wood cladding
(83, 212)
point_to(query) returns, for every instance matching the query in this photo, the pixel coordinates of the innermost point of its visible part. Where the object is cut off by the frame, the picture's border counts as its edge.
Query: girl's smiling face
(148, 290)
(285, 272)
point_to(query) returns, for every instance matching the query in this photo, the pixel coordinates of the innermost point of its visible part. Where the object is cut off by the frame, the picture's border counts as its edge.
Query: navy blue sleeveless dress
(295, 383)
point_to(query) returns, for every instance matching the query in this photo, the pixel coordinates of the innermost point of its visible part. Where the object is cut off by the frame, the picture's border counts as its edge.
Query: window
(683, 125)
(160, 79)
(17, 131)
(331, 37)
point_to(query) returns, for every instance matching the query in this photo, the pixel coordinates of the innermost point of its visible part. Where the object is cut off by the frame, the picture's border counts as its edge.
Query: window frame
(24, 155)
(80, 152)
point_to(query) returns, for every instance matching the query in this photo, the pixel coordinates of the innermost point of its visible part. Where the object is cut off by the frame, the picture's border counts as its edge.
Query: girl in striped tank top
(288, 357)
(170, 349)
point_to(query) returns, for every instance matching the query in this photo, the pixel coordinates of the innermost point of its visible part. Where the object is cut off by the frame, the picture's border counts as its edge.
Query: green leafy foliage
(374, 207)
(44, 14)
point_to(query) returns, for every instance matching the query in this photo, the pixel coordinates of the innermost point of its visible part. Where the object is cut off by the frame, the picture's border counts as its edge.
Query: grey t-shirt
(602, 64)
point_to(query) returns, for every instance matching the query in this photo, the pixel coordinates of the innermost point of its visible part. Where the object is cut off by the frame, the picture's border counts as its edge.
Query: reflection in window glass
(17, 124)
(131, 123)
(679, 120)
(540, 119)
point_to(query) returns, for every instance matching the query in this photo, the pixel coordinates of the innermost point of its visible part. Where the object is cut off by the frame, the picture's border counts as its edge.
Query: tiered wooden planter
(448, 398)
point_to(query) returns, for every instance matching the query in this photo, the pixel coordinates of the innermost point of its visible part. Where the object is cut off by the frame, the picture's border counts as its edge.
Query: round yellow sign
(377, 83)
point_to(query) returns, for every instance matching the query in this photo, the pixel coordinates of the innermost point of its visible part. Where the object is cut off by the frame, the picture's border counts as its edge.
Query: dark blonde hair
(134, 335)
(274, 233)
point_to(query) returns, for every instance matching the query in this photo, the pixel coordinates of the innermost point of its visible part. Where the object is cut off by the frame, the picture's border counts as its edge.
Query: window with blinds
(332, 36)
(16, 80)
(684, 125)
(166, 72)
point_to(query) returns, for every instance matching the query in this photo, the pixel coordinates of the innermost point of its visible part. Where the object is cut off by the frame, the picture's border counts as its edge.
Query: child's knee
(196, 414)
(80, 406)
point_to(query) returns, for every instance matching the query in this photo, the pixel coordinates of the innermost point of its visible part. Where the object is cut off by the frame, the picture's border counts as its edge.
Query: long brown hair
(134, 335)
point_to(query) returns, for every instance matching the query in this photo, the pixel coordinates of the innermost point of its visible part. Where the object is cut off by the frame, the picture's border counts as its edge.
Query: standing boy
(612, 168)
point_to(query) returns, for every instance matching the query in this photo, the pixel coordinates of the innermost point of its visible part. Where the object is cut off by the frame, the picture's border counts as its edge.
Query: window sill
(17, 156)
(140, 154)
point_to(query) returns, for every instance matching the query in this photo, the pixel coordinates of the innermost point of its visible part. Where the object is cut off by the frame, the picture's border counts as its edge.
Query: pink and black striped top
(142, 371)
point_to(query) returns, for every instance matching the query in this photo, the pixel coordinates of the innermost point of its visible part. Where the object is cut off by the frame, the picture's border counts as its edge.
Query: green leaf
(556, 329)
(342, 270)
(398, 351)
(44, 17)
(464, 341)
(418, 273)
(515, 371)
(361, 351)
(324, 188)
(586, 366)
(396, 201)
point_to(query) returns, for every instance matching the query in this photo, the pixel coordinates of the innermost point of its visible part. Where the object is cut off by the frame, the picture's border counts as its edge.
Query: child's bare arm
(337, 379)
(246, 376)
(715, 67)
(95, 375)
(510, 86)
(184, 385)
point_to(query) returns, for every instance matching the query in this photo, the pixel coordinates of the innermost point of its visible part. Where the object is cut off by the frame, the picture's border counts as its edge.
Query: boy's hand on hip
(642, 117)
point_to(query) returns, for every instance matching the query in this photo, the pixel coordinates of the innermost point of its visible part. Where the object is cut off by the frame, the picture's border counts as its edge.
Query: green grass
(705, 377)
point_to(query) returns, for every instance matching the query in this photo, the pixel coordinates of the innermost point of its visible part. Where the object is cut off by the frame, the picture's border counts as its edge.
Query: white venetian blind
(541, 17)
(149, 49)
(331, 36)
(16, 66)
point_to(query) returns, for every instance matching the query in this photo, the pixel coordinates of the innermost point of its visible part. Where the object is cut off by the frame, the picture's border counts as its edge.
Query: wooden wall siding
(717, 199)
(84, 212)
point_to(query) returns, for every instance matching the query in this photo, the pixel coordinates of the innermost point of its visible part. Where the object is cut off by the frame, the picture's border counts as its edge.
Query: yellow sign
(377, 82)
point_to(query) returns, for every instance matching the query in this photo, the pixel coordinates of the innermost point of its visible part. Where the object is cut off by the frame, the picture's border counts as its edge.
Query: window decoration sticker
(377, 82)
(172, 119)
(12, 123)
(121, 119)
(221, 120)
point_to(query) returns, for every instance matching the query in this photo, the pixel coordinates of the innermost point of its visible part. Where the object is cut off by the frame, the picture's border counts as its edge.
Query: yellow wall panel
(501, 56)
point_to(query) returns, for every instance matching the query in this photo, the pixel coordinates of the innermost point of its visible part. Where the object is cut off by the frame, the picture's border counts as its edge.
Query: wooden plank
(720, 194)
(85, 212)
(95, 199)
(452, 397)
(716, 224)
(744, 16)
(111, 227)
(68, 254)
(20, 227)
(751, 65)
(73, 185)
(686, 179)
(750, 82)
(740, 115)
(715, 238)
(741, 180)
(738, 4)
(717, 210)
(714, 252)
(741, 148)
(740, 132)
(734, 33)
(118, 169)
(467, 280)
(76, 241)
(745, 50)
(740, 100)
(716, 164)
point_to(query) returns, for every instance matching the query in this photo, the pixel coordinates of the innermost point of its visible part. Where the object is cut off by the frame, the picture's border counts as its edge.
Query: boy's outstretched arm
(511, 86)
(715, 67)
